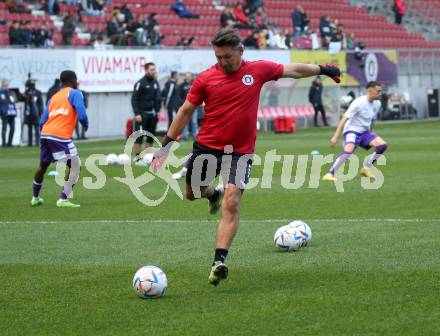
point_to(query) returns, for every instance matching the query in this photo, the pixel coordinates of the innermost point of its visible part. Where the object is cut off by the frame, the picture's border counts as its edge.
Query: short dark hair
(173, 73)
(373, 84)
(227, 37)
(147, 65)
(68, 77)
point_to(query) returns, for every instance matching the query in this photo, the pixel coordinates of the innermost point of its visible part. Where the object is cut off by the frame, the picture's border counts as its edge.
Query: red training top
(231, 104)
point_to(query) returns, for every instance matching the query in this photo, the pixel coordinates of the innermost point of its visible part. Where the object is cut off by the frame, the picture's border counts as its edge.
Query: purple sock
(339, 161)
(63, 195)
(378, 152)
(36, 188)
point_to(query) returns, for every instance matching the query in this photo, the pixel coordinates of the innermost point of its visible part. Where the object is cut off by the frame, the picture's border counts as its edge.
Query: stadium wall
(109, 75)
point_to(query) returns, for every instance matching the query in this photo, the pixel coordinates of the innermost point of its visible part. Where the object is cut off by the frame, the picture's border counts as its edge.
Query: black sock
(214, 197)
(220, 255)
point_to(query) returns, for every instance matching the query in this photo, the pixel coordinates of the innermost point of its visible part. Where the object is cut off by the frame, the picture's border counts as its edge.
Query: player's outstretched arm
(338, 131)
(302, 70)
(182, 118)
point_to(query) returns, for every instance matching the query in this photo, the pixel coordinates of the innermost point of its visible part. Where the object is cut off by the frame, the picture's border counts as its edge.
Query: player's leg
(228, 225)
(150, 126)
(37, 184)
(226, 232)
(30, 135)
(202, 168)
(170, 116)
(380, 146)
(46, 158)
(11, 122)
(138, 142)
(37, 133)
(350, 141)
(324, 118)
(315, 117)
(236, 175)
(4, 124)
(70, 179)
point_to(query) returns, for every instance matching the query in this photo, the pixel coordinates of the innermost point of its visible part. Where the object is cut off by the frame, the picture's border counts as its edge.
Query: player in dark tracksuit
(33, 110)
(315, 98)
(170, 96)
(146, 101)
(8, 112)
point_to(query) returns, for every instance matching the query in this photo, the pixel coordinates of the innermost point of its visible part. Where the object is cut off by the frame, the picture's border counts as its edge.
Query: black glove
(332, 71)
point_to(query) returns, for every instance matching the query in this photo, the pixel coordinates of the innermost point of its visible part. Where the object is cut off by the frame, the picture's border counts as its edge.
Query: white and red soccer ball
(150, 282)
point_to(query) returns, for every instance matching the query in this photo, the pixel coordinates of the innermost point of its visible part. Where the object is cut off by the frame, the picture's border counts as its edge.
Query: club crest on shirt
(247, 80)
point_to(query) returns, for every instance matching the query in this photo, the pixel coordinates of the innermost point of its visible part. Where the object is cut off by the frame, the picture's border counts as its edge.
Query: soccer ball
(304, 229)
(288, 238)
(112, 159)
(123, 159)
(150, 282)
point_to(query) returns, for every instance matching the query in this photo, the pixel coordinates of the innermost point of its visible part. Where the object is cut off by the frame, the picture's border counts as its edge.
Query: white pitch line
(174, 221)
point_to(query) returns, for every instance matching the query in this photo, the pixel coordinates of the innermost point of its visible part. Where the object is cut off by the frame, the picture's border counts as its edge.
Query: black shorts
(205, 164)
(148, 124)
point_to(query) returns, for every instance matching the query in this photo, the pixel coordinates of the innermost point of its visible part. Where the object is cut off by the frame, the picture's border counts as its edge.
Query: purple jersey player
(356, 125)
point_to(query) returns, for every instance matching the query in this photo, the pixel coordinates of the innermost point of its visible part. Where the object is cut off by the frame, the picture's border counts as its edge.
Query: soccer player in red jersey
(230, 90)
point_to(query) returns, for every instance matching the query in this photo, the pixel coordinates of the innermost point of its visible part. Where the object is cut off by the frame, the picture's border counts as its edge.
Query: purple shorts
(359, 139)
(53, 150)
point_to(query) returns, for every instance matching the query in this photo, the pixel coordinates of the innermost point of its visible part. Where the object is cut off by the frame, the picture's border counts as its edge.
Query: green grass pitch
(373, 266)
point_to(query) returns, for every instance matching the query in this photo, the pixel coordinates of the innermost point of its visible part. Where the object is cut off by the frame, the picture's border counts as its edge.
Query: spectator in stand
(252, 5)
(16, 7)
(277, 39)
(127, 13)
(137, 23)
(68, 30)
(15, 34)
(300, 22)
(41, 35)
(239, 14)
(182, 11)
(50, 7)
(399, 11)
(288, 38)
(94, 7)
(227, 18)
(115, 31)
(183, 42)
(252, 40)
(155, 38)
(263, 39)
(192, 43)
(280, 39)
(151, 22)
(350, 42)
(339, 35)
(314, 40)
(325, 30)
(99, 43)
(27, 34)
(259, 18)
